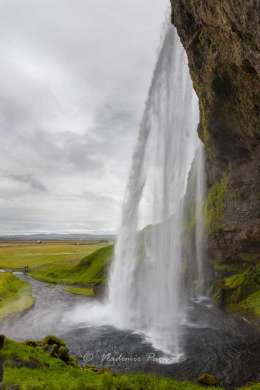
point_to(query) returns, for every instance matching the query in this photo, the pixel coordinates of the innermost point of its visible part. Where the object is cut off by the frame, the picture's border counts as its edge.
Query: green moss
(214, 206)
(250, 305)
(240, 292)
(225, 269)
(207, 379)
(52, 340)
(15, 295)
(250, 257)
(203, 126)
(235, 281)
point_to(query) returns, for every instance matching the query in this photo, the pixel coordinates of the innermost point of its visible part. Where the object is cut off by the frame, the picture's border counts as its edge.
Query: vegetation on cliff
(215, 205)
(237, 285)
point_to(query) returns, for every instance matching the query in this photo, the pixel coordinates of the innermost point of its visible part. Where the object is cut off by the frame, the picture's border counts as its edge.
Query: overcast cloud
(73, 81)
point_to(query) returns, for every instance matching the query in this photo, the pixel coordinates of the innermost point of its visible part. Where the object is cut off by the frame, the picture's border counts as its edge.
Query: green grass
(74, 379)
(15, 295)
(89, 272)
(24, 354)
(88, 292)
(53, 374)
(93, 267)
(16, 255)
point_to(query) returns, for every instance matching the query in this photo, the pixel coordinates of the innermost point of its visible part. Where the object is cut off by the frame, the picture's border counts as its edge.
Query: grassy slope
(89, 272)
(87, 291)
(15, 295)
(52, 373)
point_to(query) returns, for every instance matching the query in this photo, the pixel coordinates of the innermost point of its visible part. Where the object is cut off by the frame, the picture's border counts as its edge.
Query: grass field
(14, 255)
(82, 266)
(15, 295)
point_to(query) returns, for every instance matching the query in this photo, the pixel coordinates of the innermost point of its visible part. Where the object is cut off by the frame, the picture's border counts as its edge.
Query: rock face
(2, 340)
(222, 41)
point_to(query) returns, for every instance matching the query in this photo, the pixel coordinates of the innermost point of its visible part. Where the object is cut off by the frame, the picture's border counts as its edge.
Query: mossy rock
(234, 289)
(250, 257)
(52, 340)
(32, 343)
(207, 379)
(2, 341)
(249, 306)
(63, 353)
(53, 349)
(225, 269)
(218, 293)
(235, 281)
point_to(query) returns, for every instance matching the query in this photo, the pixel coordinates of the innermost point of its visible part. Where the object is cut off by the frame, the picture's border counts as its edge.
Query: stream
(214, 342)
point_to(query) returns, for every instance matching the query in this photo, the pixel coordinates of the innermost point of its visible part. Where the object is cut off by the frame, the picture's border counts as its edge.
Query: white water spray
(146, 287)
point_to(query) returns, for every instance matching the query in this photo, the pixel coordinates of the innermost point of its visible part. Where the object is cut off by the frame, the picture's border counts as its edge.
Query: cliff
(222, 41)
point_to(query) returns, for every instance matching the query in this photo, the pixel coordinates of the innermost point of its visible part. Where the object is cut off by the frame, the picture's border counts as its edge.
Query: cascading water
(200, 236)
(146, 288)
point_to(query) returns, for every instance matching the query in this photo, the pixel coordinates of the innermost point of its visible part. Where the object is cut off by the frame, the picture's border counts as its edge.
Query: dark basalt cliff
(222, 41)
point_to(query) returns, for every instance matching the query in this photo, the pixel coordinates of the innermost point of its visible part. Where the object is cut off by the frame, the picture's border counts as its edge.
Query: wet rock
(2, 340)
(222, 41)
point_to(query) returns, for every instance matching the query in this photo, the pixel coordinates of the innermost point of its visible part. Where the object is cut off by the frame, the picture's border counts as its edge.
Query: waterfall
(147, 290)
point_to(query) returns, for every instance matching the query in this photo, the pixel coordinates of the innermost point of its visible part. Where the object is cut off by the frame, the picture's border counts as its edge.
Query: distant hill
(58, 237)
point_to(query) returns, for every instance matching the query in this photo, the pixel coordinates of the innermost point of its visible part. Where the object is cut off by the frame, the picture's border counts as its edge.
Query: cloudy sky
(73, 80)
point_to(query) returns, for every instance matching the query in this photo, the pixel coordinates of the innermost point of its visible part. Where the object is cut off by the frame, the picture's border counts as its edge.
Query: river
(214, 341)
